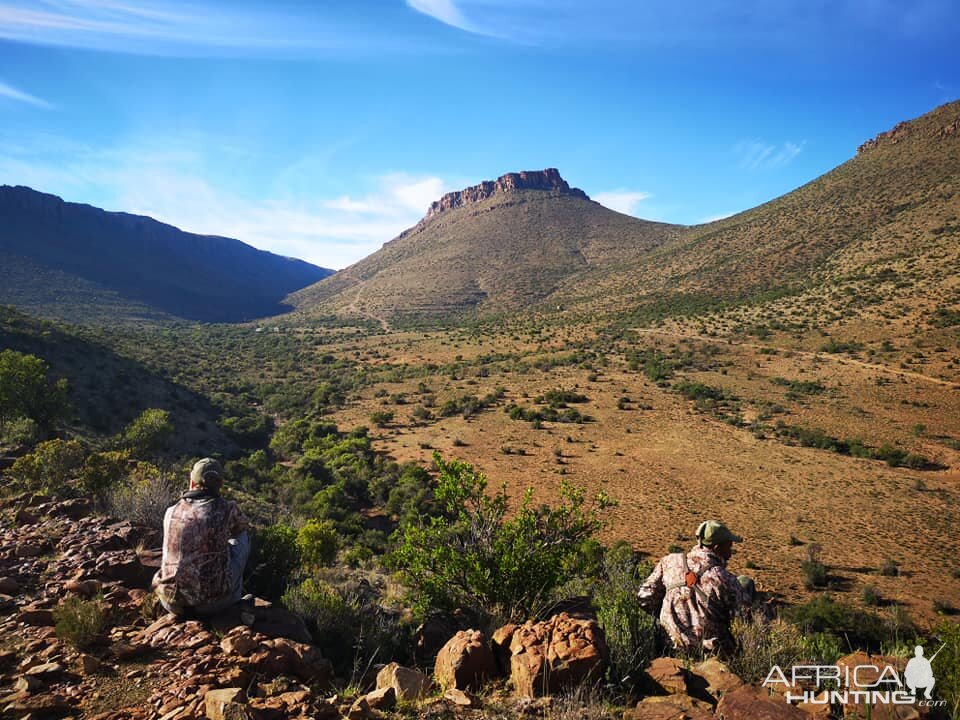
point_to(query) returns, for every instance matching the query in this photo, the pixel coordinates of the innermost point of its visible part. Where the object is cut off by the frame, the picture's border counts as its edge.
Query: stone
(561, 652)
(717, 678)
(9, 586)
(461, 698)
(666, 676)
(89, 664)
(127, 651)
(360, 710)
(219, 704)
(45, 670)
(29, 550)
(30, 615)
(465, 662)
(86, 588)
(408, 684)
(670, 707)
(382, 699)
(500, 644)
(868, 678)
(241, 643)
(27, 683)
(751, 703)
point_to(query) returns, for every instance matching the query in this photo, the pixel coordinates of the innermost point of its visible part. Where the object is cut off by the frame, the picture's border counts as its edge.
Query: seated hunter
(205, 547)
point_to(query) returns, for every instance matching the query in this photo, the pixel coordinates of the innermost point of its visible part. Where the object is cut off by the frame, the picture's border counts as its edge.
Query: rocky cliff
(548, 180)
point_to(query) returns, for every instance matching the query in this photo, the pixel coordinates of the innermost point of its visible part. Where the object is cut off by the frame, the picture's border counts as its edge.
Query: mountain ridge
(153, 270)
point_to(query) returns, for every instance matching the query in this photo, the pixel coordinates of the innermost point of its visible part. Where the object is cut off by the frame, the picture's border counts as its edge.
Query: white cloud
(624, 201)
(759, 155)
(168, 185)
(443, 10)
(714, 218)
(11, 93)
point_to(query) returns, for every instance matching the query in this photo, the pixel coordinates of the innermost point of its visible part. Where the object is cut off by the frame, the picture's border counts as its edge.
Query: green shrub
(946, 666)
(144, 497)
(50, 466)
(103, 470)
(871, 595)
(762, 644)
(331, 618)
(381, 418)
(859, 629)
(275, 555)
(25, 391)
(475, 556)
(80, 622)
(147, 434)
(317, 542)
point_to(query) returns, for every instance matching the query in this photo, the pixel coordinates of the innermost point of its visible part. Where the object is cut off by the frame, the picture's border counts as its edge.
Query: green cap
(206, 470)
(714, 532)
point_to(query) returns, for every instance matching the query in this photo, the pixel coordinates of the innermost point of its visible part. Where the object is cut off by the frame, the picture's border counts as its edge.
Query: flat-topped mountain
(79, 263)
(502, 245)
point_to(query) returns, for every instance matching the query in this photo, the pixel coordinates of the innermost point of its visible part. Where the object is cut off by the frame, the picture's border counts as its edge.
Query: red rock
(670, 707)
(461, 698)
(223, 704)
(666, 675)
(382, 699)
(408, 684)
(560, 652)
(9, 586)
(718, 678)
(465, 662)
(500, 644)
(239, 643)
(35, 616)
(751, 703)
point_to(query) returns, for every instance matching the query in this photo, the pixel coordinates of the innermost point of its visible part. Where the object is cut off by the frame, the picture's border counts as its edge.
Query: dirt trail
(804, 353)
(354, 307)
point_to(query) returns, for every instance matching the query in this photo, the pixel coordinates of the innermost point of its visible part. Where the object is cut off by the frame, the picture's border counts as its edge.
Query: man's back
(195, 569)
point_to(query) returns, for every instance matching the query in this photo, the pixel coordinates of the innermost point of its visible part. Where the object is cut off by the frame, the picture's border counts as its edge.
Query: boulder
(500, 644)
(666, 676)
(465, 662)
(9, 586)
(715, 677)
(751, 703)
(409, 685)
(461, 698)
(223, 704)
(866, 678)
(560, 652)
(670, 707)
(382, 699)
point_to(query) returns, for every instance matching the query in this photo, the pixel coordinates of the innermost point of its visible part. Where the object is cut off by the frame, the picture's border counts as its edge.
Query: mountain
(497, 246)
(79, 263)
(882, 228)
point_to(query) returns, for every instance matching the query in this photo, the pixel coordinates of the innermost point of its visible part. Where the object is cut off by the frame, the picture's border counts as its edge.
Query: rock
(409, 685)
(432, 635)
(9, 586)
(127, 651)
(31, 615)
(560, 652)
(548, 179)
(89, 664)
(500, 644)
(382, 699)
(717, 679)
(45, 670)
(360, 710)
(670, 707)
(25, 517)
(29, 550)
(239, 643)
(86, 588)
(461, 698)
(867, 678)
(465, 662)
(27, 683)
(751, 703)
(666, 676)
(222, 704)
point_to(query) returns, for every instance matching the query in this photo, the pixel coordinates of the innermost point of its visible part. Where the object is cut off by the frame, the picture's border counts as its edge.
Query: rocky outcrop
(547, 180)
(556, 653)
(899, 132)
(465, 662)
(751, 703)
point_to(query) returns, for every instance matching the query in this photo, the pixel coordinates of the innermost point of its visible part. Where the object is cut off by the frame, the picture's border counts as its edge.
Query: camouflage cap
(204, 471)
(714, 532)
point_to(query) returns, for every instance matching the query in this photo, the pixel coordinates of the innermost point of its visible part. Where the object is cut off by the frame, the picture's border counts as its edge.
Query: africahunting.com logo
(866, 684)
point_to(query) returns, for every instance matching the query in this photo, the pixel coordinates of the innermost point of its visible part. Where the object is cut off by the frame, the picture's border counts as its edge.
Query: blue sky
(322, 129)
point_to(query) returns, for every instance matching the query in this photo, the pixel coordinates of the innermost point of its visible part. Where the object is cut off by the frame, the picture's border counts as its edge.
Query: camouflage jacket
(698, 617)
(195, 567)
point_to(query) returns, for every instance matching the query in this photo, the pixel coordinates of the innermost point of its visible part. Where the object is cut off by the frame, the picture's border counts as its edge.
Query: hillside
(498, 246)
(82, 264)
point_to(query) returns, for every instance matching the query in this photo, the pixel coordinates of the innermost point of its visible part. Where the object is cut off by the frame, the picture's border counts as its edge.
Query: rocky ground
(257, 663)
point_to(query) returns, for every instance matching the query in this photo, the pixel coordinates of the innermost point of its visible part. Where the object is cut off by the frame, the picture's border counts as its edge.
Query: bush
(25, 391)
(860, 629)
(50, 466)
(147, 434)
(331, 618)
(80, 622)
(470, 556)
(946, 666)
(761, 645)
(871, 595)
(381, 418)
(275, 555)
(144, 497)
(103, 470)
(317, 543)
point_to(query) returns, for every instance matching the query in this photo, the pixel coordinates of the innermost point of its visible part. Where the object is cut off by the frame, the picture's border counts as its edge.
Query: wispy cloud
(167, 182)
(624, 201)
(759, 155)
(446, 11)
(11, 93)
(185, 27)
